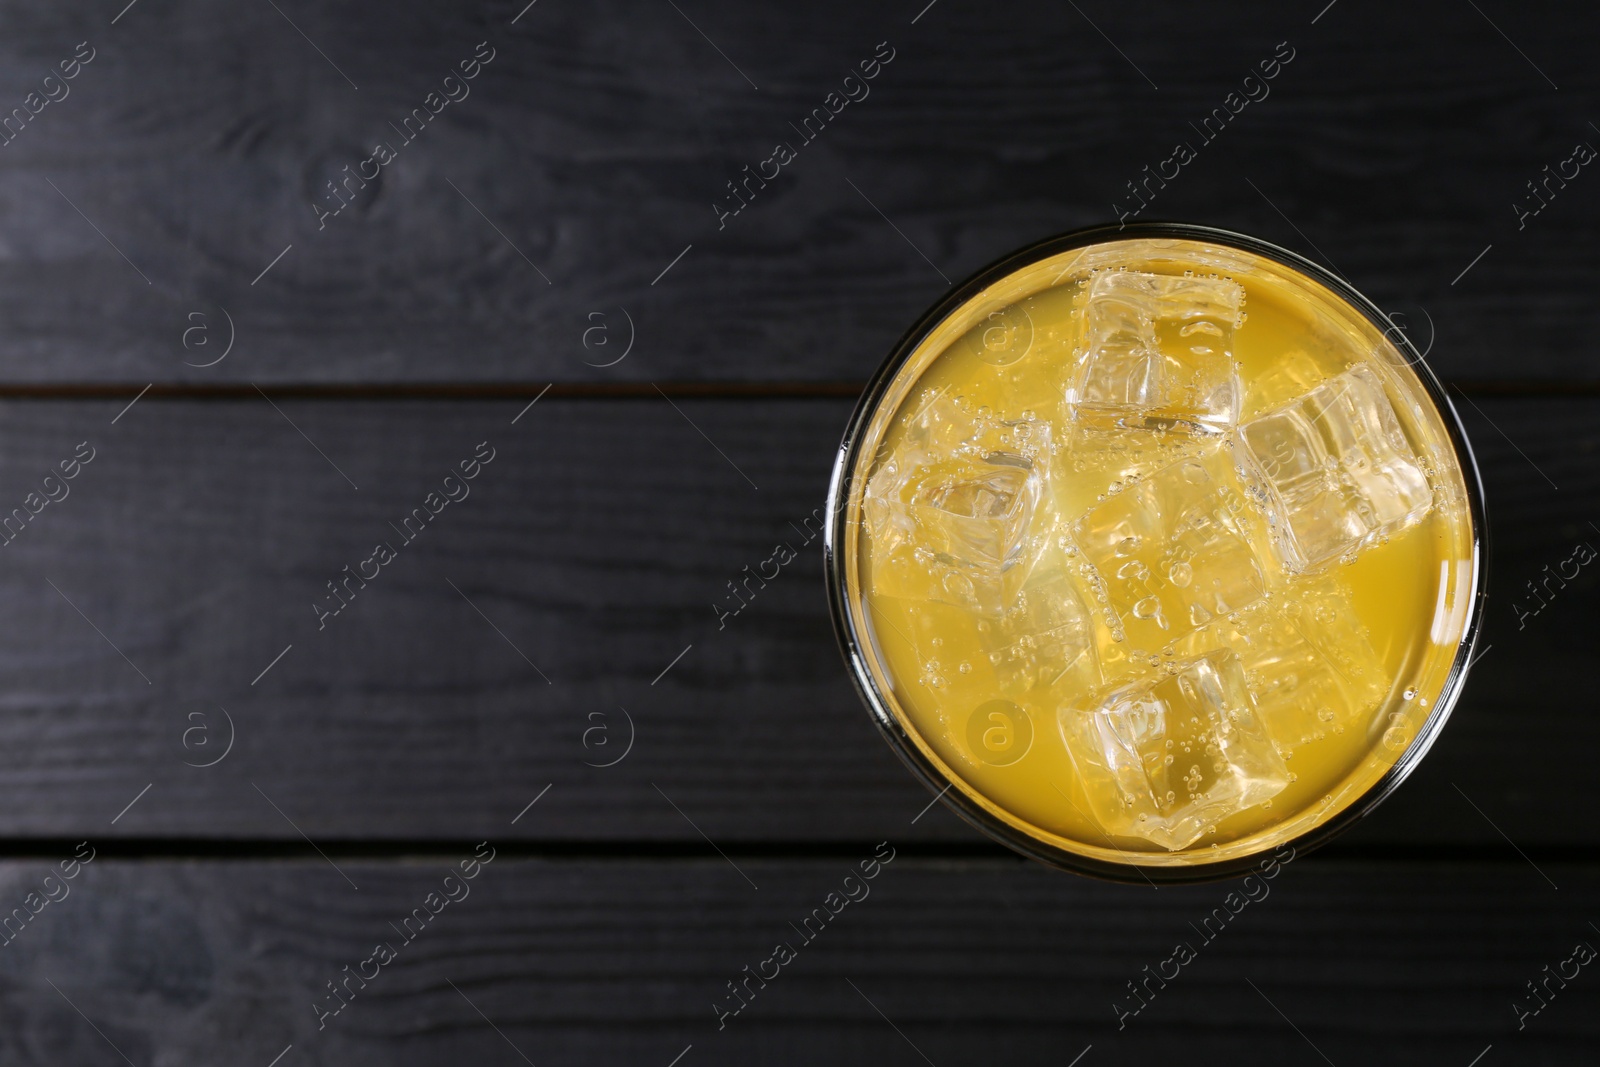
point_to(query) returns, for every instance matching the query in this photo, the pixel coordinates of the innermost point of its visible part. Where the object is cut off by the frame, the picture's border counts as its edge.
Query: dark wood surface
(566, 605)
(1393, 146)
(598, 541)
(972, 961)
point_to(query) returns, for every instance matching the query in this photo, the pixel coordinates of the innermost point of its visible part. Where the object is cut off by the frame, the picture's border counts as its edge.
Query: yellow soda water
(1160, 551)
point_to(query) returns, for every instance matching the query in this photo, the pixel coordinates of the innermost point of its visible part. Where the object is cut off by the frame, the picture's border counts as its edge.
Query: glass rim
(841, 483)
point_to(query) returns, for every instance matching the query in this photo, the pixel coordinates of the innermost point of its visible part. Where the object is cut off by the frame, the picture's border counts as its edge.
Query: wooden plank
(592, 148)
(590, 552)
(623, 962)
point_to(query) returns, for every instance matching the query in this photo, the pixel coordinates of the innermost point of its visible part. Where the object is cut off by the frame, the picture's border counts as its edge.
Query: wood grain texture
(590, 553)
(591, 150)
(622, 962)
(160, 617)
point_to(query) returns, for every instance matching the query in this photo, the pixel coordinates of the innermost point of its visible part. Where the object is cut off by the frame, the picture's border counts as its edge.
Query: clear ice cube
(1045, 631)
(940, 423)
(951, 508)
(1306, 659)
(960, 525)
(1336, 470)
(976, 510)
(1166, 758)
(1158, 354)
(1174, 551)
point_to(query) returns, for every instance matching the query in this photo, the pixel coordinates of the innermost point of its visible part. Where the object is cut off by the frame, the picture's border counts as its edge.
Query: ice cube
(1306, 659)
(944, 426)
(1045, 631)
(961, 525)
(1167, 758)
(1174, 550)
(1158, 354)
(951, 508)
(1336, 470)
(976, 509)
(939, 423)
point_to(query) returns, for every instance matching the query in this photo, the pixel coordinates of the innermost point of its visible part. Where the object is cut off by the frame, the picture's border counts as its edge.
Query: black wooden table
(491, 285)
